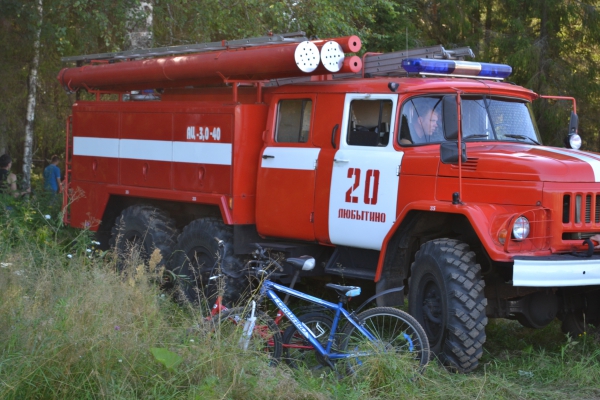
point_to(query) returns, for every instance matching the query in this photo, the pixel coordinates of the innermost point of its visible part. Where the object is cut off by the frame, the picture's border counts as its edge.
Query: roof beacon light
(429, 66)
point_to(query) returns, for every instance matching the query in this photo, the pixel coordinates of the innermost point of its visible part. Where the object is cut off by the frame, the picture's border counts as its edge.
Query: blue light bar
(451, 67)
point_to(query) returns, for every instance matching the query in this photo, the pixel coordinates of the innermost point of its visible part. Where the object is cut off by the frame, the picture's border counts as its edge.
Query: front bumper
(556, 271)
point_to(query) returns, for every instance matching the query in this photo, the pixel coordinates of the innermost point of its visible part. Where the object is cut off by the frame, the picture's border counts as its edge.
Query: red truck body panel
(136, 149)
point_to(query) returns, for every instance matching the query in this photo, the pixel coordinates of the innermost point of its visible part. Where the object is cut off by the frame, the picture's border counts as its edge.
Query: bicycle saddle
(348, 291)
(304, 263)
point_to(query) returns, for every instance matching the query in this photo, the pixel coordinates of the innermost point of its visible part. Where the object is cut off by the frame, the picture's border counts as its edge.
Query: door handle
(265, 156)
(340, 161)
(333, 132)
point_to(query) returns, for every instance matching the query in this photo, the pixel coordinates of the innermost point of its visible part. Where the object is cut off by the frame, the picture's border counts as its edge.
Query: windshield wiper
(477, 135)
(522, 137)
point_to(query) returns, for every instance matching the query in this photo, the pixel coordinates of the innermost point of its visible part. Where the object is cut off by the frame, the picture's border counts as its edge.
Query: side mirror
(573, 140)
(573, 123)
(450, 118)
(449, 152)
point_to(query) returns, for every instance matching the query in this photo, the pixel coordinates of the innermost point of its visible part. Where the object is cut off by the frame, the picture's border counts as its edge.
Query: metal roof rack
(390, 64)
(190, 48)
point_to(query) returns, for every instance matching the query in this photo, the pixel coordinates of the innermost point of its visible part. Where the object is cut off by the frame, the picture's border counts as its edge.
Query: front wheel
(395, 332)
(446, 297)
(264, 338)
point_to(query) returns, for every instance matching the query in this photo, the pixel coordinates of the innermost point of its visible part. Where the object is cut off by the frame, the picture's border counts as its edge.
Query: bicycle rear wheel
(395, 331)
(297, 350)
(265, 337)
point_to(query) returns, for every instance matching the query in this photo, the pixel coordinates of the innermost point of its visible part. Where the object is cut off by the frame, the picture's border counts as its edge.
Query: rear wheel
(578, 323)
(583, 313)
(446, 297)
(265, 337)
(195, 261)
(138, 231)
(297, 350)
(395, 332)
(574, 324)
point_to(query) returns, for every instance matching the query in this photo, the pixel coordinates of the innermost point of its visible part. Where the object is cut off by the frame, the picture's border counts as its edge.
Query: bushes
(74, 328)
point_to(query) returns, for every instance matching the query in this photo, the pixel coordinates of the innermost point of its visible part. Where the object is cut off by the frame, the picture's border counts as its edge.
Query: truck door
(286, 177)
(364, 180)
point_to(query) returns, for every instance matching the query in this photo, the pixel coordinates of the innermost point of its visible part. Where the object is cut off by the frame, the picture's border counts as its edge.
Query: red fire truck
(412, 168)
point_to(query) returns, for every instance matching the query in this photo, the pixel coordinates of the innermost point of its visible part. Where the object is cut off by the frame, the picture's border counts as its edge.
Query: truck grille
(469, 165)
(581, 208)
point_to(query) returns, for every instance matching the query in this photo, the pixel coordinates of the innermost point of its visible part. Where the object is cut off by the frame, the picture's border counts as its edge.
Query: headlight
(521, 228)
(575, 141)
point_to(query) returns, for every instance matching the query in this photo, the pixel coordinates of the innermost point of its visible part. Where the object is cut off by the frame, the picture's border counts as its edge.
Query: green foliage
(182, 21)
(166, 357)
(551, 44)
(74, 328)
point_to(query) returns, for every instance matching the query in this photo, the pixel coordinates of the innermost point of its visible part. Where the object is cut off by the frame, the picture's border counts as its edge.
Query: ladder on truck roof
(293, 37)
(389, 64)
(374, 64)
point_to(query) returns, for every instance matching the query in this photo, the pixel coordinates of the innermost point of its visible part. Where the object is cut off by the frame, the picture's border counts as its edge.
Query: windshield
(485, 118)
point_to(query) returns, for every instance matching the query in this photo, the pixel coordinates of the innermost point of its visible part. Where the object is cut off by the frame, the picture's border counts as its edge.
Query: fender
(375, 296)
(485, 219)
(183, 197)
(103, 193)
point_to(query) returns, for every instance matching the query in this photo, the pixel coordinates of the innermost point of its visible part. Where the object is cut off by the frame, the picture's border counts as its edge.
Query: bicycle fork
(248, 328)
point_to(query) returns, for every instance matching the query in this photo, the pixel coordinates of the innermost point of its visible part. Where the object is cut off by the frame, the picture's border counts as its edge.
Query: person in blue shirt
(52, 177)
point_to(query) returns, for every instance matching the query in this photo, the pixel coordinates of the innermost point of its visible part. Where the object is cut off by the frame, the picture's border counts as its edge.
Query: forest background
(552, 46)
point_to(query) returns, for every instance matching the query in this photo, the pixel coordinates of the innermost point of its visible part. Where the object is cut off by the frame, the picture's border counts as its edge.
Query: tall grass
(74, 328)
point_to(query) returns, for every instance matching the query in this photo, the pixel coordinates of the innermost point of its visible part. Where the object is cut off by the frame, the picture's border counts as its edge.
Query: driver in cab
(424, 128)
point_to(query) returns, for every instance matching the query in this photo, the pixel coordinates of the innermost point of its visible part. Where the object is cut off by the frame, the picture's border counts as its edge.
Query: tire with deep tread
(394, 330)
(446, 296)
(194, 260)
(147, 227)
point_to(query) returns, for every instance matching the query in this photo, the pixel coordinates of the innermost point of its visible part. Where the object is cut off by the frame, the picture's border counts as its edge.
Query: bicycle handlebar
(258, 266)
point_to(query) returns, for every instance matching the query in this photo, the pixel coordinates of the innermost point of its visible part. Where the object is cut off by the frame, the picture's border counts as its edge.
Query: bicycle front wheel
(264, 338)
(395, 331)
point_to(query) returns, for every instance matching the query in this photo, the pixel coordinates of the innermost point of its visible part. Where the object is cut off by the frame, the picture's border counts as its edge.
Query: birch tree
(31, 99)
(139, 26)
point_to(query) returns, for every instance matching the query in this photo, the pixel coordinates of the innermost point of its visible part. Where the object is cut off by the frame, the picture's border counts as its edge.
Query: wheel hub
(432, 311)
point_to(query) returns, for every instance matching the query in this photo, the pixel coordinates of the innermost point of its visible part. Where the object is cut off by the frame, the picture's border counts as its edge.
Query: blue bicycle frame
(268, 288)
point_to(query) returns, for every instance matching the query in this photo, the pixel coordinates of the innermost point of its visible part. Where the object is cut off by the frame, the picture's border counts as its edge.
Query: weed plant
(73, 328)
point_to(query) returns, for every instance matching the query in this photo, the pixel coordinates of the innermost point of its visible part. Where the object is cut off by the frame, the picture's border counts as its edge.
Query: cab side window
(369, 123)
(293, 121)
(421, 121)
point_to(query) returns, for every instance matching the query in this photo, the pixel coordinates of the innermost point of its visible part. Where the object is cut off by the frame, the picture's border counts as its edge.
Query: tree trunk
(488, 30)
(3, 134)
(31, 98)
(139, 26)
(543, 46)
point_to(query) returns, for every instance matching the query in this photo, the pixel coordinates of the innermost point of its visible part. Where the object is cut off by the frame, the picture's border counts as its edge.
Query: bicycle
(380, 329)
(222, 314)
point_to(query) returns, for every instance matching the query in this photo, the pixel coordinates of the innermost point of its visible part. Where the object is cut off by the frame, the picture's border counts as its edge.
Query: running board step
(352, 273)
(353, 263)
